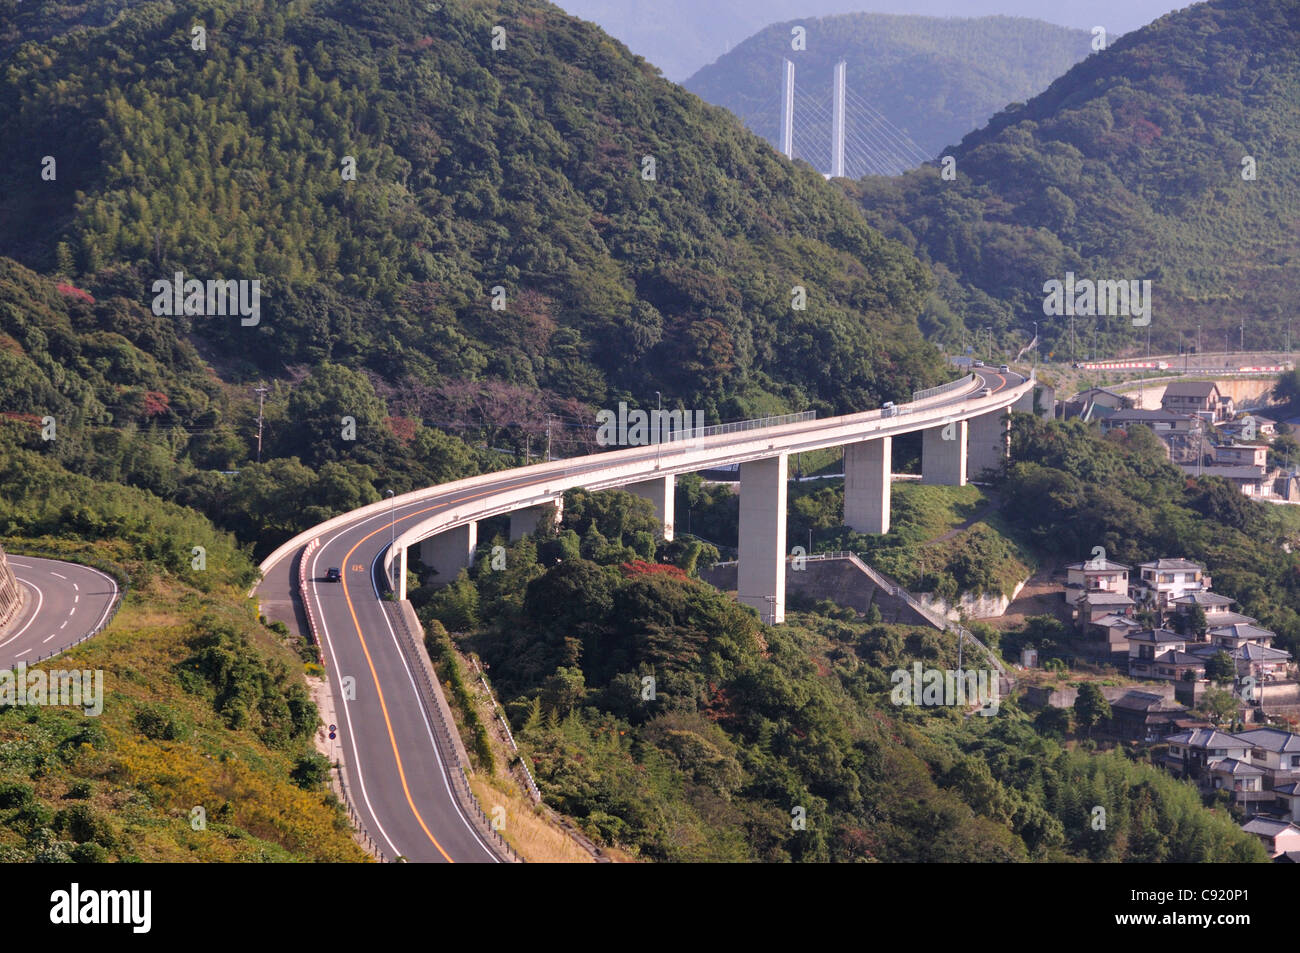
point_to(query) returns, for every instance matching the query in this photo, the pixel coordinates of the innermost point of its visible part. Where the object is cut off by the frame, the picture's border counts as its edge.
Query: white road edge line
(442, 767)
(40, 600)
(342, 697)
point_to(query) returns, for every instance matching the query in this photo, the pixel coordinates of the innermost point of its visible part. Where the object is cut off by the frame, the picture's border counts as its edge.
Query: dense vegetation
(476, 168)
(1069, 490)
(203, 705)
(934, 79)
(1130, 166)
(667, 721)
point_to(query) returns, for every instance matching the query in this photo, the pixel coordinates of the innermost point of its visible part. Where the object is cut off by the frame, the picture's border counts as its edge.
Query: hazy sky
(681, 36)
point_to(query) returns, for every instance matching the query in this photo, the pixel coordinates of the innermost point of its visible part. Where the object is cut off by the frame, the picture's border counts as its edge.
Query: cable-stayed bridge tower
(862, 140)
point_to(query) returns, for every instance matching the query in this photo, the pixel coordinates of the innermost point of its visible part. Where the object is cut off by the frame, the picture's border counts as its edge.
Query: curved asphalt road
(65, 602)
(395, 768)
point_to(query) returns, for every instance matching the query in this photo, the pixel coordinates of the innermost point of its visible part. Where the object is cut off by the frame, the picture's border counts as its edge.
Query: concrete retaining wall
(835, 579)
(11, 594)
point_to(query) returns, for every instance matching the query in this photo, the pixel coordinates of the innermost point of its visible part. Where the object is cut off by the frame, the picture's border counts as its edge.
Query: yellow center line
(392, 740)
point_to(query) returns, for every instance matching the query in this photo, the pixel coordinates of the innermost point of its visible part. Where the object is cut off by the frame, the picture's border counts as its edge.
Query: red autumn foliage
(403, 428)
(71, 291)
(639, 567)
(155, 403)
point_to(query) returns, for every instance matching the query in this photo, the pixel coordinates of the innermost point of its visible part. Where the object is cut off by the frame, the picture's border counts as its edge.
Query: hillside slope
(1129, 167)
(524, 168)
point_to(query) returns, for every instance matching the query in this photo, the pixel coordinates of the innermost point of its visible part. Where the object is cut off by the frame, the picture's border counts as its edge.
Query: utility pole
(548, 437)
(261, 391)
(1071, 339)
(1035, 348)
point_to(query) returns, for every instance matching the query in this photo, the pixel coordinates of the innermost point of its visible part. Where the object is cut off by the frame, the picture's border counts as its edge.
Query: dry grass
(529, 832)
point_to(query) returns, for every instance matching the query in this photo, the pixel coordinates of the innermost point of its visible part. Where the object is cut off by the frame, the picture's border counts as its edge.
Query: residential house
(1091, 606)
(1144, 716)
(1251, 481)
(1288, 800)
(1244, 780)
(1261, 662)
(1238, 634)
(1113, 630)
(1166, 580)
(1162, 654)
(1217, 608)
(1265, 428)
(1279, 837)
(1161, 421)
(1199, 398)
(1241, 455)
(1275, 752)
(1191, 753)
(1101, 397)
(1095, 575)
(1098, 575)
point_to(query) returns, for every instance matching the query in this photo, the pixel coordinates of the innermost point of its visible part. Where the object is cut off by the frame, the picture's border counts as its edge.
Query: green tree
(1091, 706)
(1220, 667)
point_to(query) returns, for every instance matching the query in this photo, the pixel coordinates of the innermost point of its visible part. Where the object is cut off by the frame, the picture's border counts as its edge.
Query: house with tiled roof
(1251, 481)
(1167, 580)
(1198, 398)
(1161, 653)
(1244, 781)
(1288, 800)
(1240, 633)
(1278, 837)
(1191, 753)
(1276, 752)
(1144, 716)
(1217, 608)
(1091, 606)
(1241, 455)
(1097, 575)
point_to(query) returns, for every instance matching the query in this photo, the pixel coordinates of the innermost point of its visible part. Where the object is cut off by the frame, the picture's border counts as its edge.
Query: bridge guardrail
(740, 426)
(457, 772)
(943, 388)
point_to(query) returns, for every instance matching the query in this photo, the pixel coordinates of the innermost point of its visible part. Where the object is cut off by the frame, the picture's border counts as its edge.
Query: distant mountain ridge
(934, 80)
(681, 37)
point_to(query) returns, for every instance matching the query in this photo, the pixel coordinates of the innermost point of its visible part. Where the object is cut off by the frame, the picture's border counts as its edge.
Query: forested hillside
(1171, 156)
(935, 79)
(667, 721)
(203, 705)
(641, 240)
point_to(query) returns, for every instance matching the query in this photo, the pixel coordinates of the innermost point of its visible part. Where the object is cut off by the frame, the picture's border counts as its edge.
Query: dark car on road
(332, 574)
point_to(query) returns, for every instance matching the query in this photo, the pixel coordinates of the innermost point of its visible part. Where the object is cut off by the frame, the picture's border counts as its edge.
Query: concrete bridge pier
(661, 492)
(760, 571)
(529, 519)
(449, 552)
(866, 485)
(989, 443)
(943, 454)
